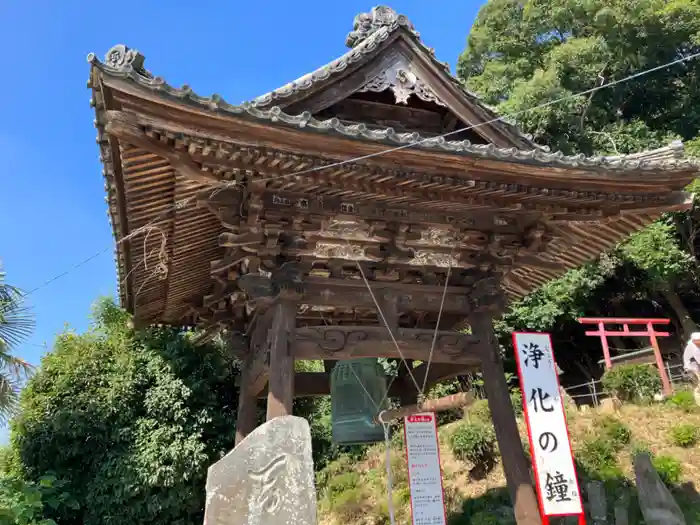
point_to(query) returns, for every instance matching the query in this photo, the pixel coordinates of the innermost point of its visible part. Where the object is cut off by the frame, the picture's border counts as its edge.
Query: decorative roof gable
(387, 54)
(380, 17)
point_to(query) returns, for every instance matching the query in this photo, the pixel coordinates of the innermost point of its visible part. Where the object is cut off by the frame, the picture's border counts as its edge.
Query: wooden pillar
(409, 394)
(665, 381)
(247, 401)
(515, 464)
(281, 375)
(604, 343)
(253, 376)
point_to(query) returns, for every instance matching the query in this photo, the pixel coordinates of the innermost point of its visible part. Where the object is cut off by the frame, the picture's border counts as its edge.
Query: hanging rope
(389, 479)
(437, 325)
(419, 390)
(391, 333)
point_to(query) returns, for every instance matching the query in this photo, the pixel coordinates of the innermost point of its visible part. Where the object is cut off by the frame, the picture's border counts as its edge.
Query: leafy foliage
(669, 468)
(632, 382)
(521, 54)
(474, 442)
(598, 456)
(615, 431)
(656, 251)
(25, 503)
(684, 400)
(684, 435)
(130, 422)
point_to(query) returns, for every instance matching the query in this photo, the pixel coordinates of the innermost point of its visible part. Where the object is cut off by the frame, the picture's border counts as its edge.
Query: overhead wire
(384, 152)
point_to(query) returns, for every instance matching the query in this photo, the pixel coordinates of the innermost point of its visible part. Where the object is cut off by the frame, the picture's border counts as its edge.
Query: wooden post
(604, 343)
(409, 394)
(247, 402)
(515, 464)
(668, 389)
(281, 375)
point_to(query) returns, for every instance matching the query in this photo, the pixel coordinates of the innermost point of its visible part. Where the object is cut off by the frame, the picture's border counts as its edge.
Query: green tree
(129, 421)
(16, 324)
(656, 251)
(521, 54)
(524, 53)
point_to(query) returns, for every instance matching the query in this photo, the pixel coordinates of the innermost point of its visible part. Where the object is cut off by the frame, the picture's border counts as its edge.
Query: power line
(179, 205)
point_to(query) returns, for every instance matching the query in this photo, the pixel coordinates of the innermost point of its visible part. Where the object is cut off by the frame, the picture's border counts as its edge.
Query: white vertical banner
(424, 474)
(550, 447)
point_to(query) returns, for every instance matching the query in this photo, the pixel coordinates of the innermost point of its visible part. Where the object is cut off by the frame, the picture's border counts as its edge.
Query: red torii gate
(649, 331)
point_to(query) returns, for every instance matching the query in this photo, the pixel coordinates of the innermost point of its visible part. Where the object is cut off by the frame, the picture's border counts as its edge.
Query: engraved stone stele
(598, 503)
(655, 500)
(268, 479)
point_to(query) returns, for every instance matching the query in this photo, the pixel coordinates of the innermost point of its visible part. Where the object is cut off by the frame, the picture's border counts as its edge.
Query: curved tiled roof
(131, 69)
(371, 30)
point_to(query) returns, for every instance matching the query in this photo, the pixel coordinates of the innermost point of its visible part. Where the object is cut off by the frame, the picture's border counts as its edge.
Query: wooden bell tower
(327, 219)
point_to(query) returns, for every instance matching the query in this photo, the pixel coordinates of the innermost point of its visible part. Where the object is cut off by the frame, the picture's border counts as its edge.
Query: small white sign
(546, 423)
(424, 474)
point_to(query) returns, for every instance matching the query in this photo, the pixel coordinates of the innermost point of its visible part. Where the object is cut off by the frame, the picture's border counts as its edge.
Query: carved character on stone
(267, 479)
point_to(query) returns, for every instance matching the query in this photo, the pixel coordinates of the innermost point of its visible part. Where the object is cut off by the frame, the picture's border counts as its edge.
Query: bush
(26, 503)
(131, 421)
(479, 411)
(474, 442)
(636, 383)
(597, 457)
(684, 435)
(684, 400)
(615, 431)
(670, 469)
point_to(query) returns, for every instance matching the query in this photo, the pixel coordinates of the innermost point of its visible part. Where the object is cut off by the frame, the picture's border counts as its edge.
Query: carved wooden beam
(125, 126)
(351, 293)
(314, 384)
(305, 203)
(346, 342)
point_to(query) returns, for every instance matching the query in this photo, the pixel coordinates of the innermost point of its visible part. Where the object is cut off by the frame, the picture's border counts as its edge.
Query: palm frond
(9, 398)
(16, 318)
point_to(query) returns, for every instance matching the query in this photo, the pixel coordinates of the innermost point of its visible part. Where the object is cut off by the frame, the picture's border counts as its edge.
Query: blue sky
(52, 209)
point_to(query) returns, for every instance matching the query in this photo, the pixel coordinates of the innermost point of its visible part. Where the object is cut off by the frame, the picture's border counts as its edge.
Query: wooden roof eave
(114, 185)
(276, 130)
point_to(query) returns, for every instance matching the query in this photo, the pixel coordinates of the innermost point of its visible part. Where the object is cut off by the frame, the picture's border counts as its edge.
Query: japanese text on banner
(425, 477)
(551, 449)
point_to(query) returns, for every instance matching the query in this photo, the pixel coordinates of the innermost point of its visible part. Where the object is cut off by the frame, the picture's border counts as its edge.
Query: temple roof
(373, 33)
(669, 158)
(203, 193)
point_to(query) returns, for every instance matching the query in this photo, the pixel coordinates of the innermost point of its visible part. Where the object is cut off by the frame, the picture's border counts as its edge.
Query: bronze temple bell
(353, 412)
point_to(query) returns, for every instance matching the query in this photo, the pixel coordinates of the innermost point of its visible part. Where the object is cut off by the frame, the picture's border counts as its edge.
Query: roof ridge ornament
(122, 58)
(381, 16)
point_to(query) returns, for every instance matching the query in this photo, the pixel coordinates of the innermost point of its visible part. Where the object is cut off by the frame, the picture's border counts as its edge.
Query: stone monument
(267, 479)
